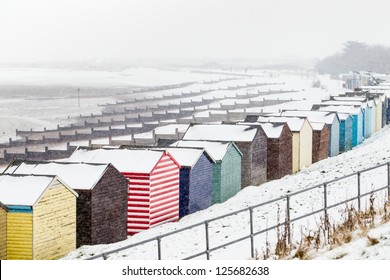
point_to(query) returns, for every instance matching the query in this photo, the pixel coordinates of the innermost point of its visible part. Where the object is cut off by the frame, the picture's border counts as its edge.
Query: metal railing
(252, 234)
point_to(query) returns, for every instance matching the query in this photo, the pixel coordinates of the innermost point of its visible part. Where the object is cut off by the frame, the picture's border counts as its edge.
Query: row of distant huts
(103, 195)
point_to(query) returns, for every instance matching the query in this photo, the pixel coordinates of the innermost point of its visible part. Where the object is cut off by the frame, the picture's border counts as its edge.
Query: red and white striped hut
(153, 188)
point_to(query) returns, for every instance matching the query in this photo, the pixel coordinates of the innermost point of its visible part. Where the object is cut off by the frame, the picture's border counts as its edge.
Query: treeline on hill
(356, 56)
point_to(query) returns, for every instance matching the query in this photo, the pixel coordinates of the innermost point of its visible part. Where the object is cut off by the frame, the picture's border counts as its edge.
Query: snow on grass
(374, 245)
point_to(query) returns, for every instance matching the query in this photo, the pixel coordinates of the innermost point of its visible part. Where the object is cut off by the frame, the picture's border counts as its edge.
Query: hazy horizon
(45, 31)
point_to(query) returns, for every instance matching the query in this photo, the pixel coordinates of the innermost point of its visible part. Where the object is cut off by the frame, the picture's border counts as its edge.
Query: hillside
(356, 56)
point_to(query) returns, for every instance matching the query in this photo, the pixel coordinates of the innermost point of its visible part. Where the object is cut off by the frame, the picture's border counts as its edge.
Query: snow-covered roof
(217, 150)
(125, 160)
(23, 190)
(317, 126)
(221, 132)
(79, 176)
(351, 103)
(343, 116)
(272, 130)
(312, 116)
(185, 156)
(342, 109)
(349, 98)
(295, 124)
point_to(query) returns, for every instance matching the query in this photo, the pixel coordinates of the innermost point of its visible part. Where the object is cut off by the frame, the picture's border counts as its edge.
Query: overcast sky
(46, 30)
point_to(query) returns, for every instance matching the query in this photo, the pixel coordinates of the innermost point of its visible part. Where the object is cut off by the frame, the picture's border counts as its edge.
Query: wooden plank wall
(295, 152)
(109, 208)
(348, 133)
(305, 145)
(19, 236)
(378, 111)
(200, 185)
(3, 234)
(217, 186)
(259, 158)
(334, 145)
(246, 163)
(230, 174)
(54, 223)
(320, 144)
(164, 192)
(279, 155)
(84, 218)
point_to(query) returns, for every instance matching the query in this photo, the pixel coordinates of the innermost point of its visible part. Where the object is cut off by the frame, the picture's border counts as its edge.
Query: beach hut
(388, 112)
(321, 135)
(279, 150)
(102, 202)
(301, 142)
(41, 216)
(365, 106)
(196, 174)
(3, 231)
(251, 140)
(346, 122)
(371, 117)
(226, 178)
(384, 109)
(380, 98)
(357, 120)
(153, 183)
(329, 118)
(378, 112)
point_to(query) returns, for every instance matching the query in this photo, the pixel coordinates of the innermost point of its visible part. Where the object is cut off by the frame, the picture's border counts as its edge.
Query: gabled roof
(342, 109)
(216, 149)
(125, 160)
(3, 206)
(295, 124)
(312, 116)
(273, 130)
(26, 190)
(80, 176)
(348, 98)
(187, 157)
(317, 126)
(350, 103)
(344, 116)
(221, 132)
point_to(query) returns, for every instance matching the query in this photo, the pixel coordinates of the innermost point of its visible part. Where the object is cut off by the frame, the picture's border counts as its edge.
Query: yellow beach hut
(40, 217)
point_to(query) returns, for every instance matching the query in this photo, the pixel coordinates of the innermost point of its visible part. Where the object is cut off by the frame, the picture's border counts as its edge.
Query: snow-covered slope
(375, 245)
(372, 152)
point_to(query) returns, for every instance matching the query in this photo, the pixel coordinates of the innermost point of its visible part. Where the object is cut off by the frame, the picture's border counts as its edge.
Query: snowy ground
(362, 248)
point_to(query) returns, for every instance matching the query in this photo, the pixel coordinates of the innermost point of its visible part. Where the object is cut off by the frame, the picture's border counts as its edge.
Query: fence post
(388, 179)
(325, 206)
(288, 218)
(251, 231)
(358, 185)
(206, 224)
(159, 247)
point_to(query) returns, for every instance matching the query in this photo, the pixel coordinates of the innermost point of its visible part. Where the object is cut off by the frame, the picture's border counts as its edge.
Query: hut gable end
(164, 190)
(109, 208)
(54, 223)
(200, 184)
